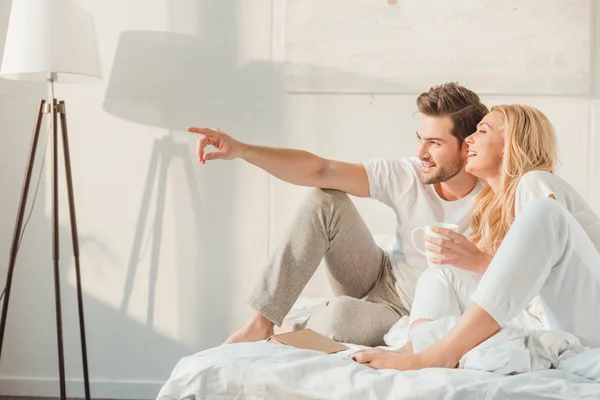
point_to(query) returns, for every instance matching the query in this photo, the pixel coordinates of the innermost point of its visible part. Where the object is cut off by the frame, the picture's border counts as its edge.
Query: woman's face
(486, 146)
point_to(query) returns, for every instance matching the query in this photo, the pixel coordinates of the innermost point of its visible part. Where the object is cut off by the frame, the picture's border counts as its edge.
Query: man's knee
(544, 210)
(339, 313)
(544, 207)
(343, 309)
(347, 319)
(320, 198)
(336, 318)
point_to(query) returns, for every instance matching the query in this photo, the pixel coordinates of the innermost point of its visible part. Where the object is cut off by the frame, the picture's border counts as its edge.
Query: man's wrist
(245, 150)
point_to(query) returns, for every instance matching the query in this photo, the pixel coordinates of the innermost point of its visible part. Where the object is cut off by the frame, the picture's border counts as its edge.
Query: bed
(559, 368)
(268, 371)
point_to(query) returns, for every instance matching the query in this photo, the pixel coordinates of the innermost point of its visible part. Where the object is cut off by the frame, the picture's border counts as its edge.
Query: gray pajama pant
(328, 225)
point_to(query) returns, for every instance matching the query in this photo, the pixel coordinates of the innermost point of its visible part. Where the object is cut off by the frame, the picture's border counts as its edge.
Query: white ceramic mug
(428, 232)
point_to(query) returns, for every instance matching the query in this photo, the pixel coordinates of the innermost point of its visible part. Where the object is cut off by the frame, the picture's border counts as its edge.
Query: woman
(544, 237)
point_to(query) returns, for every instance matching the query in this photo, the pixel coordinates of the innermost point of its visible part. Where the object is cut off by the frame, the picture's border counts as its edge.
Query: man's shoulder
(399, 163)
(404, 160)
(391, 178)
(413, 162)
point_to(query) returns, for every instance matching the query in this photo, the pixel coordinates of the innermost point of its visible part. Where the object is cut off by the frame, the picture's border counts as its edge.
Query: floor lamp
(50, 41)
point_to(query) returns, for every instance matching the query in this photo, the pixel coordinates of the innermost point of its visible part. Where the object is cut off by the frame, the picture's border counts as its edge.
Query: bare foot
(259, 328)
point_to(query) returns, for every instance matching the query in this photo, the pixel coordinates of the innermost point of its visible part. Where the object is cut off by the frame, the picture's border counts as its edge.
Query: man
(374, 287)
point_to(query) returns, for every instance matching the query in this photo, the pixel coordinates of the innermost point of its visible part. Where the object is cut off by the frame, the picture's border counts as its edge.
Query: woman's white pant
(547, 253)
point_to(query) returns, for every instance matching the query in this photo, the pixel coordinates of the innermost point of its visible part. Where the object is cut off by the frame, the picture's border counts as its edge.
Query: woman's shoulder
(539, 184)
(543, 181)
(535, 177)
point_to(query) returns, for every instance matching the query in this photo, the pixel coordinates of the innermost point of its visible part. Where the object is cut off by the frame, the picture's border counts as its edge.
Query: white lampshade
(50, 36)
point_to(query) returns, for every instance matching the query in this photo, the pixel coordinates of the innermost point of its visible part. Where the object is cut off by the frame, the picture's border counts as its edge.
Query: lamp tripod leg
(75, 240)
(56, 253)
(19, 222)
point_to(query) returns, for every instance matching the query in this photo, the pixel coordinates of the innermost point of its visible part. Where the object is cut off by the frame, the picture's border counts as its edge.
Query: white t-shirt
(538, 184)
(396, 183)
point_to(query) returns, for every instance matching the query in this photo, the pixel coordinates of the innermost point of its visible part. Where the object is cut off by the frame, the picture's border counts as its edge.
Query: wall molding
(100, 389)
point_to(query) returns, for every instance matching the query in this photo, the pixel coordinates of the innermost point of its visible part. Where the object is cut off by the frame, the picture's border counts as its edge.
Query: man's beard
(444, 173)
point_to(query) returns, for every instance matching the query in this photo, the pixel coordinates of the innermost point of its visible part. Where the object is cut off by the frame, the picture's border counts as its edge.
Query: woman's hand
(458, 251)
(376, 358)
(386, 359)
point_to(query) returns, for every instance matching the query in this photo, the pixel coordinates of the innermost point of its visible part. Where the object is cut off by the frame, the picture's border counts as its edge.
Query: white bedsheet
(512, 350)
(268, 371)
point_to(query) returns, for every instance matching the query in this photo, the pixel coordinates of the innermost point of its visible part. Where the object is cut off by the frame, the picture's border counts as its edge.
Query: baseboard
(48, 387)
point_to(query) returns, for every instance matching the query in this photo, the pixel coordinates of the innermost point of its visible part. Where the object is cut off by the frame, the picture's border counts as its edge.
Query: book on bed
(308, 339)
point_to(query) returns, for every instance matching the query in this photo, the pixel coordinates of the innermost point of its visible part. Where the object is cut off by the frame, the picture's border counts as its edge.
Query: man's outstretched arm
(298, 167)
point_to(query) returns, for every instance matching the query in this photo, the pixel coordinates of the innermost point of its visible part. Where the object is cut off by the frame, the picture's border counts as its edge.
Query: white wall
(169, 248)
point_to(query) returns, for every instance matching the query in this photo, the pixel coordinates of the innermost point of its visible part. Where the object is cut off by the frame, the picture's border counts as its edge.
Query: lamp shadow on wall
(169, 80)
(163, 80)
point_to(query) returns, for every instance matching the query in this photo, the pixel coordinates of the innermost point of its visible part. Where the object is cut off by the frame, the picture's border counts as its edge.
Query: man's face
(441, 156)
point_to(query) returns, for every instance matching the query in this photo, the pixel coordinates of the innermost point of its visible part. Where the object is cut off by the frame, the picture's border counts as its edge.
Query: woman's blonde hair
(529, 145)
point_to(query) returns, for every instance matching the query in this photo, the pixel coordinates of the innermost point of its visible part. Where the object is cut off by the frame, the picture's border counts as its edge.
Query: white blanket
(510, 351)
(269, 371)
(514, 364)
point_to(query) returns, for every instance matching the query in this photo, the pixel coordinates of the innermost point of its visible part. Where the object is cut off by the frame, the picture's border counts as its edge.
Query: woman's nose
(469, 139)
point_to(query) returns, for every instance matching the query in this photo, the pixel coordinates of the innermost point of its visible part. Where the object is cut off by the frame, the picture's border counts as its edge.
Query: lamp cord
(33, 201)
